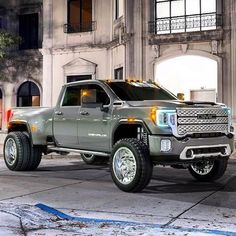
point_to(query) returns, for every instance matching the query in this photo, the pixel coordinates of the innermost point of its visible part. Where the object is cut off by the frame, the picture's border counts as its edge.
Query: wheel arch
(130, 129)
(24, 126)
(21, 126)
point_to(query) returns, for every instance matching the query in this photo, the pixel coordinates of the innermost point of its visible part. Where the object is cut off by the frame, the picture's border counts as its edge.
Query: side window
(72, 96)
(94, 94)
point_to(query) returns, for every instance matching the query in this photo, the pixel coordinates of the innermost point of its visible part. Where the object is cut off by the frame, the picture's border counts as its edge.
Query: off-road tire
(143, 163)
(35, 158)
(22, 149)
(216, 172)
(94, 160)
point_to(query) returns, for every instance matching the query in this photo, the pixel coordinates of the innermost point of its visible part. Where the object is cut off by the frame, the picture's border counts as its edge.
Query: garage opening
(189, 77)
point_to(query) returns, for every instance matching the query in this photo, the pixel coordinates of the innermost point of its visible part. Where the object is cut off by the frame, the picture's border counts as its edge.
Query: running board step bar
(59, 149)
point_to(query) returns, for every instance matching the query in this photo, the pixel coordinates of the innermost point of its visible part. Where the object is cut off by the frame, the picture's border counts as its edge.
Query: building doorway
(189, 77)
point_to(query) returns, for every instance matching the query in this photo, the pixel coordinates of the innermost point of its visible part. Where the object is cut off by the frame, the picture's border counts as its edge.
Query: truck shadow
(163, 180)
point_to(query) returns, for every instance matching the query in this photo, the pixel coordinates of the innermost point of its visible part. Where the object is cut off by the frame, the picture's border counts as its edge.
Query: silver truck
(132, 124)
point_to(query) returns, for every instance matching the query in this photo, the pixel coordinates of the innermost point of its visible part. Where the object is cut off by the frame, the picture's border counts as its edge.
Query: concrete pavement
(173, 204)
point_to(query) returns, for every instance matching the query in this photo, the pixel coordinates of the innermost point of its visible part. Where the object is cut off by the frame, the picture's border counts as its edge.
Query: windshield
(140, 91)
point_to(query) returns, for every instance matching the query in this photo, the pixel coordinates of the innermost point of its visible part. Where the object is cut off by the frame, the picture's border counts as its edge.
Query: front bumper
(190, 149)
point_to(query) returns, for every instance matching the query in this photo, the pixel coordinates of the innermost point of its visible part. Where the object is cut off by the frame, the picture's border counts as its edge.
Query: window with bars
(176, 16)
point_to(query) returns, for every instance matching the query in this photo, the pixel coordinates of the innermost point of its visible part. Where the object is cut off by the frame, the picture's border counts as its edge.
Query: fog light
(189, 154)
(165, 145)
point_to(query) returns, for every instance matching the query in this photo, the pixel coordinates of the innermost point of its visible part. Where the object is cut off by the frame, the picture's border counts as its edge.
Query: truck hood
(172, 104)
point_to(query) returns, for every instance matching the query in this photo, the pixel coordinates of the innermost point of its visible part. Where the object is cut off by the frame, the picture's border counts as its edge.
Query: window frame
(29, 89)
(64, 95)
(28, 45)
(117, 14)
(167, 21)
(68, 28)
(117, 72)
(85, 87)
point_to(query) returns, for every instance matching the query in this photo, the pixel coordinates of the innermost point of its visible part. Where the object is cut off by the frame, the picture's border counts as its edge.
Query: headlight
(165, 118)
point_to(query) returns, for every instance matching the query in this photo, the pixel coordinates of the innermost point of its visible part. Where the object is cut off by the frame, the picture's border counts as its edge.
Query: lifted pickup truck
(134, 124)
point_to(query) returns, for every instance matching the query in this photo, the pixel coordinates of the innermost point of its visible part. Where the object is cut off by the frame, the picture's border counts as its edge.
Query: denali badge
(206, 116)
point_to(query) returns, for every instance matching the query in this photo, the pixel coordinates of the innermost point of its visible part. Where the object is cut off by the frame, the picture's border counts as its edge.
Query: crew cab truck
(132, 124)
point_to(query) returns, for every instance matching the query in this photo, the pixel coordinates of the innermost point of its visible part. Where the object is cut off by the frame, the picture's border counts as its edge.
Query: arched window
(28, 95)
(191, 77)
(0, 109)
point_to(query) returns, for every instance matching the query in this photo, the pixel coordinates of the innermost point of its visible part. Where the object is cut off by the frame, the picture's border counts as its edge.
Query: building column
(233, 59)
(129, 47)
(138, 39)
(47, 52)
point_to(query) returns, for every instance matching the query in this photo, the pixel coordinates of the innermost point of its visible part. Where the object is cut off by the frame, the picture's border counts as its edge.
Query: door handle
(58, 113)
(84, 113)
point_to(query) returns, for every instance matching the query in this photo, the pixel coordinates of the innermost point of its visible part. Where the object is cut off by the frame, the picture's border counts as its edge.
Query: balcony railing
(79, 28)
(188, 23)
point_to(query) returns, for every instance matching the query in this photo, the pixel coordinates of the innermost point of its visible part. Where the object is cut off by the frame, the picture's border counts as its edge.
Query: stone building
(112, 39)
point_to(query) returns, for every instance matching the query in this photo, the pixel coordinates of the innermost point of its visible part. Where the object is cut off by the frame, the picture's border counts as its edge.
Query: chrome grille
(195, 111)
(189, 122)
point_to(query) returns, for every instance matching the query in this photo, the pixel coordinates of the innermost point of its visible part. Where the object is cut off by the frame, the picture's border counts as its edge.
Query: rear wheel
(35, 158)
(91, 159)
(208, 170)
(131, 167)
(17, 151)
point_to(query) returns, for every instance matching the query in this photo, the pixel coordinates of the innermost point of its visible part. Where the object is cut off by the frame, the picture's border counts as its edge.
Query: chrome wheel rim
(124, 165)
(10, 151)
(203, 167)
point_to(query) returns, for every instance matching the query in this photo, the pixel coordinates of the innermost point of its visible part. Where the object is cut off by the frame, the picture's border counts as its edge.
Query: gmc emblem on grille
(206, 116)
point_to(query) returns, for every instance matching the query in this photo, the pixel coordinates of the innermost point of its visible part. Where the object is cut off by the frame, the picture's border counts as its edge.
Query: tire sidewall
(11, 167)
(219, 167)
(23, 151)
(88, 160)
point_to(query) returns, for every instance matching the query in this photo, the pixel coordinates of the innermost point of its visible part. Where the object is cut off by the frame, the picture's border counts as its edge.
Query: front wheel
(209, 170)
(131, 167)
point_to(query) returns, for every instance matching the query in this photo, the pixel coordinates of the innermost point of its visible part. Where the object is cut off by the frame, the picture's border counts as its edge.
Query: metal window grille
(76, 28)
(185, 23)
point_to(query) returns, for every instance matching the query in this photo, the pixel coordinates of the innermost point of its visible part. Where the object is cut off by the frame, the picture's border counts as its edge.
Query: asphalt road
(173, 203)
